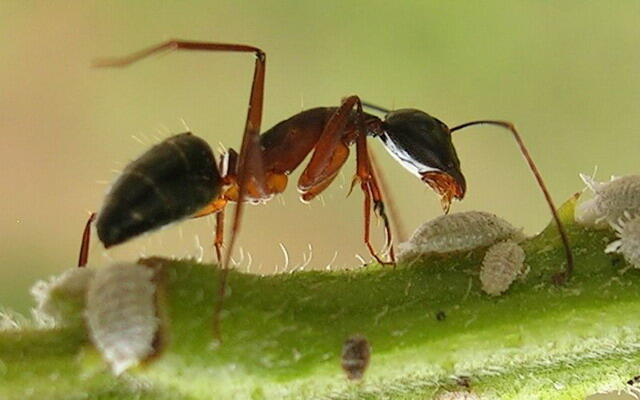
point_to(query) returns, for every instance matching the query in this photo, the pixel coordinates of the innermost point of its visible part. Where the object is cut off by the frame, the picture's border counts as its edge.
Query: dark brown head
(422, 144)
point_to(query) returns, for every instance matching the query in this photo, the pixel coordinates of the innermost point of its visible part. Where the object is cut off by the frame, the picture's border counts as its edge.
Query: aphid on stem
(179, 178)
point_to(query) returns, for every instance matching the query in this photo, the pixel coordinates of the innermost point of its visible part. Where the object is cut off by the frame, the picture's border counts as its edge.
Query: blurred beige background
(565, 72)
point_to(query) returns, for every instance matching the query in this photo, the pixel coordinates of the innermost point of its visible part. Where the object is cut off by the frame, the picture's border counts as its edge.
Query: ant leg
(250, 165)
(172, 45)
(561, 277)
(371, 191)
(377, 193)
(219, 234)
(86, 238)
(396, 221)
(217, 207)
(330, 154)
(370, 188)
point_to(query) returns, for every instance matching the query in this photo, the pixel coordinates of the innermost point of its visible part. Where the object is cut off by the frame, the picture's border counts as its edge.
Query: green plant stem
(283, 334)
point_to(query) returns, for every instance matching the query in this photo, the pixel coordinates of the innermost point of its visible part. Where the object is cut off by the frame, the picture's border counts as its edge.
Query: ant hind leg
(86, 238)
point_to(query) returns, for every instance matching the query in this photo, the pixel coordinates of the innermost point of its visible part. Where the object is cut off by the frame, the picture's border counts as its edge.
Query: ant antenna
(375, 107)
(564, 276)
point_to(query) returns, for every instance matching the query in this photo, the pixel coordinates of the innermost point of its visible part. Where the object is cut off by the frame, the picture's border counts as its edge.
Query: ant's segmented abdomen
(171, 181)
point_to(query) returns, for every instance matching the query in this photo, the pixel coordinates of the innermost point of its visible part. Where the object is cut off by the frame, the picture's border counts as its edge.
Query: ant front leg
(399, 229)
(371, 189)
(380, 208)
(331, 151)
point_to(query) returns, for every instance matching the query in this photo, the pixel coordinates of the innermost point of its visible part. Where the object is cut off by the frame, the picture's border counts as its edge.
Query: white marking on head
(404, 159)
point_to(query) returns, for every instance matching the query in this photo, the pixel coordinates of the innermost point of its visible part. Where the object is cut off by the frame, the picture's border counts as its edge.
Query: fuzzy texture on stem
(431, 330)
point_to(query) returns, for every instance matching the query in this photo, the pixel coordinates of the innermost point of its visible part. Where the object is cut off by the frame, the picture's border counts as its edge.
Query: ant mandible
(178, 178)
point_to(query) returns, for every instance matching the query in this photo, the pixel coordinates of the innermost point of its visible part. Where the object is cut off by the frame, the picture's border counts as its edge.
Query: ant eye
(442, 125)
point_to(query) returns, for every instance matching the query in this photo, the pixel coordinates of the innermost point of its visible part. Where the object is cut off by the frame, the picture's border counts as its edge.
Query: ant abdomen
(171, 181)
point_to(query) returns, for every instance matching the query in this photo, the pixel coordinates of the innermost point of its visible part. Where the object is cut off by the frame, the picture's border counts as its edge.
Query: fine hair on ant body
(179, 177)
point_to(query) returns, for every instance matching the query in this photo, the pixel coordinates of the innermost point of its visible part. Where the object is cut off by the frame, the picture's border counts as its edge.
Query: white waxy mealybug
(460, 395)
(458, 232)
(121, 314)
(12, 321)
(628, 244)
(610, 200)
(356, 353)
(502, 264)
(59, 300)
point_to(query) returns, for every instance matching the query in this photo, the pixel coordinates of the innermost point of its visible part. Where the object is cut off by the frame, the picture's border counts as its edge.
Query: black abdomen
(171, 181)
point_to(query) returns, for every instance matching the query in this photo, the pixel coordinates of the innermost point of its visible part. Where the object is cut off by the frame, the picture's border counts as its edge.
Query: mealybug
(501, 266)
(456, 396)
(121, 314)
(458, 232)
(610, 200)
(628, 244)
(59, 300)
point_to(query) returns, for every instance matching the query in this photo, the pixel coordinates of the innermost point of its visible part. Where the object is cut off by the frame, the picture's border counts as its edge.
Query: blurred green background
(567, 73)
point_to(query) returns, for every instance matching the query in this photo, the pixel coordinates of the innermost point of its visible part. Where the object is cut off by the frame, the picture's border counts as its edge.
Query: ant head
(422, 144)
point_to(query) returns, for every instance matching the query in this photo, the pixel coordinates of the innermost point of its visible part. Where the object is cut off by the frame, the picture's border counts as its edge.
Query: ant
(178, 178)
